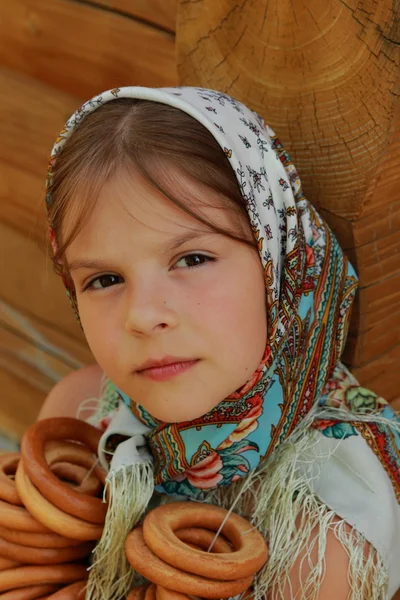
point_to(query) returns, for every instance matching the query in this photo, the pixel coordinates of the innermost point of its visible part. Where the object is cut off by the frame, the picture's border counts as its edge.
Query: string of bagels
(52, 512)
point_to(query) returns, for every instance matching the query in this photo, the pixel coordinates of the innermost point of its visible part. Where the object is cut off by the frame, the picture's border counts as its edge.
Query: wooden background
(54, 54)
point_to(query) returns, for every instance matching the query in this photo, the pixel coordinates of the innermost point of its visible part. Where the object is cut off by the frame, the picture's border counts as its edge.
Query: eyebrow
(168, 246)
(175, 243)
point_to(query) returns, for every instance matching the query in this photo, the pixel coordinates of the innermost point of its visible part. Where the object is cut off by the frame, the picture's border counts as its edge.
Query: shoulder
(335, 579)
(349, 477)
(66, 396)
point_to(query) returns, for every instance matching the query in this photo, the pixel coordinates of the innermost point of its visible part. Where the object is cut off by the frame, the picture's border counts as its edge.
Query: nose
(149, 309)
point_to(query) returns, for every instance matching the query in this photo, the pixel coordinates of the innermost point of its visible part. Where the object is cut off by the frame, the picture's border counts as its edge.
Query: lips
(166, 368)
(163, 362)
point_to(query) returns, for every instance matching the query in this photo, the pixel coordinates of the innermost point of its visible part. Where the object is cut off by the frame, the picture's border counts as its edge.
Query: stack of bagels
(187, 549)
(52, 513)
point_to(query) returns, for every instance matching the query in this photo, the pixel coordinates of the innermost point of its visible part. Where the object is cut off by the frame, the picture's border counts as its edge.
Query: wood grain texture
(32, 114)
(81, 49)
(30, 362)
(30, 285)
(161, 13)
(61, 345)
(20, 404)
(379, 374)
(40, 340)
(325, 76)
(33, 357)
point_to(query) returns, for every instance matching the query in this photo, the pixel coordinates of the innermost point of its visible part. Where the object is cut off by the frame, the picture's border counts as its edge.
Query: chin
(178, 415)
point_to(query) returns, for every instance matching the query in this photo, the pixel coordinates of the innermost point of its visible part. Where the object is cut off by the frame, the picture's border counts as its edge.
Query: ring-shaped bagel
(58, 493)
(75, 591)
(29, 555)
(8, 466)
(52, 517)
(78, 477)
(61, 456)
(28, 576)
(163, 593)
(20, 518)
(7, 563)
(137, 593)
(150, 593)
(69, 473)
(78, 454)
(37, 540)
(202, 539)
(146, 563)
(31, 593)
(249, 548)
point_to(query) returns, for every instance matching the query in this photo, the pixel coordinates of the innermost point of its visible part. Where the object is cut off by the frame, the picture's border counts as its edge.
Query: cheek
(249, 327)
(101, 334)
(233, 314)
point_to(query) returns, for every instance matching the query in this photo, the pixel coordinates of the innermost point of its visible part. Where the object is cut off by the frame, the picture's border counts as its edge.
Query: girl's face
(154, 284)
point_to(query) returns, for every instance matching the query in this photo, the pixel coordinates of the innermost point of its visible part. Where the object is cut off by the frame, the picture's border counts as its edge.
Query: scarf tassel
(128, 490)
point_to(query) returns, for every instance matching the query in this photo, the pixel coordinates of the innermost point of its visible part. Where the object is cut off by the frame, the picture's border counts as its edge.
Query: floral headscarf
(310, 287)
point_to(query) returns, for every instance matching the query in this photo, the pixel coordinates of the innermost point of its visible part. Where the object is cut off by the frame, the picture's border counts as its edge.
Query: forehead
(129, 205)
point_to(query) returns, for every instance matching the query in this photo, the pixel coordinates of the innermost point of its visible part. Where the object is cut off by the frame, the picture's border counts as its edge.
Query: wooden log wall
(53, 55)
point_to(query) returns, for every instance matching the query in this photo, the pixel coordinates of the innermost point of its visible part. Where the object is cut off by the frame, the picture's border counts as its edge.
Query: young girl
(216, 302)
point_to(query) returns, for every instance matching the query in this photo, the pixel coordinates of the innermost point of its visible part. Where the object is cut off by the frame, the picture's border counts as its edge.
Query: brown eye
(190, 261)
(104, 281)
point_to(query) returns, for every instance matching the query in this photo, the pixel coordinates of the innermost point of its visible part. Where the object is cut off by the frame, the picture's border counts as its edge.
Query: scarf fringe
(365, 416)
(129, 491)
(278, 499)
(102, 406)
(368, 575)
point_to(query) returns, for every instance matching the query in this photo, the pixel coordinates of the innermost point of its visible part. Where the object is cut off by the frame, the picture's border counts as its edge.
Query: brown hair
(151, 137)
